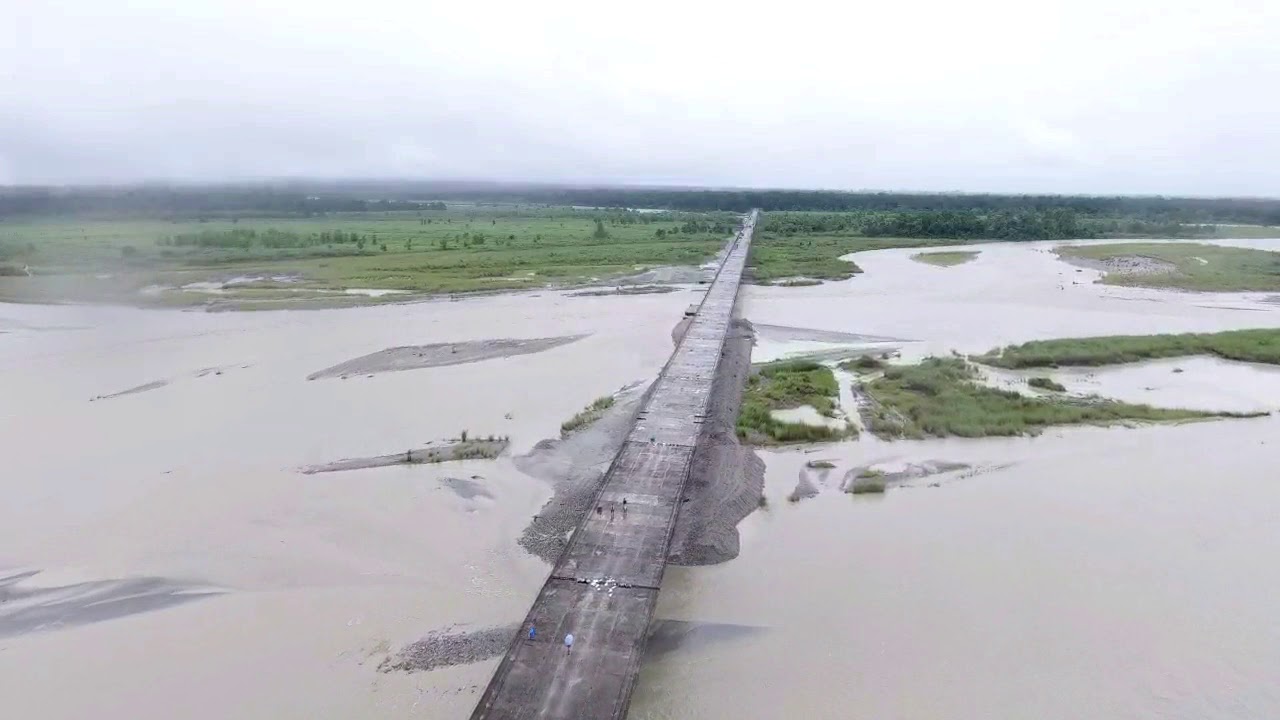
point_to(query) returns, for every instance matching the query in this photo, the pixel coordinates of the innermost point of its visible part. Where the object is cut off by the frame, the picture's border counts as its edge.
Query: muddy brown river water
(184, 568)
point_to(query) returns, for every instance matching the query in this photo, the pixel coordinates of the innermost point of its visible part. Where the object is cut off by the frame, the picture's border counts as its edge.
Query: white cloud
(1087, 96)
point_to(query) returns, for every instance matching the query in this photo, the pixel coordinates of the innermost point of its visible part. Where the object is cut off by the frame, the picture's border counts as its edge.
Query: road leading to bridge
(604, 587)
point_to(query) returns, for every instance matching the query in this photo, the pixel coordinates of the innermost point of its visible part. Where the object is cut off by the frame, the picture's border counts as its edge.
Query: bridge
(604, 587)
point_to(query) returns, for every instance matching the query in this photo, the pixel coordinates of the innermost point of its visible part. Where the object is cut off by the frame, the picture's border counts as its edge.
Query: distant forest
(964, 212)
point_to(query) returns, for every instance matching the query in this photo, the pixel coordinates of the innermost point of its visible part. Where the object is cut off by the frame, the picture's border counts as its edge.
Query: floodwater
(1101, 573)
(186, 569)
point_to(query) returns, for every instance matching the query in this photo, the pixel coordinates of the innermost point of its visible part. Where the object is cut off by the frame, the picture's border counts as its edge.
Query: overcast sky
(1106, 96)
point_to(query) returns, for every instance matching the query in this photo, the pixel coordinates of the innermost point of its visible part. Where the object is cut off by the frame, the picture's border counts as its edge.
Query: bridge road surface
(604, 587)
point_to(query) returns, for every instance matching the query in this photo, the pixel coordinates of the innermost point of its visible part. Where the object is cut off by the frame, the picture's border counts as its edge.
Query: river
(1102, 573)
(183, 567)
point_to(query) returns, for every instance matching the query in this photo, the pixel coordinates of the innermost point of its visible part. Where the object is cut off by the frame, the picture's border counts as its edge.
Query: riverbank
(1179, 265)
(345, 259)
(1260, 345)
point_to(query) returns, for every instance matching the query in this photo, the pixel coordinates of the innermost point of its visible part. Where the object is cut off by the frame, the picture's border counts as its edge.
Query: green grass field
(782, 385)
(460, 250)
(942, 397)
(1261, 346)
(1192, 266)
(945, 259)
(776, 258)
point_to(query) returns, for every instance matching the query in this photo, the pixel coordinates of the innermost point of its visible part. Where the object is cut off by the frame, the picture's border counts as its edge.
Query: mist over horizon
(1091, 97)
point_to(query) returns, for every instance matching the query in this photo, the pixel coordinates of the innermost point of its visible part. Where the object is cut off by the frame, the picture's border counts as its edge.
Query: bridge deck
(604, 587)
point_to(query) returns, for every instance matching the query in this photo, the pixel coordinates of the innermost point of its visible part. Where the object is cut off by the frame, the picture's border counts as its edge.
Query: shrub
(1045, 383)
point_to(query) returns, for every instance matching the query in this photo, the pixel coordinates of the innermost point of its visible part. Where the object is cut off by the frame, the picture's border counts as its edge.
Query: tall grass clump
(788, 384)
(945, 258)
(1044, 383)
(942, 397)
(588, 415)
(1260, 345)
(862, 363)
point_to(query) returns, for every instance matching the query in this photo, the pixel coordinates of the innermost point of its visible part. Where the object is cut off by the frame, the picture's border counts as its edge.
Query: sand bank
(414, 357)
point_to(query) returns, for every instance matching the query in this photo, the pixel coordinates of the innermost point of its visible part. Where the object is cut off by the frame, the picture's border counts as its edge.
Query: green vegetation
(820, 465)
(478, 450)
(1261, 346)
(1044, 383)
(969, 224)
(945, 259)
(1190, 266)
(308, 242)
(1115, 213)
(792, 383)
(868, 481)
(942, 397)
(788, 384)
(588, 415)
(463, 449)
(862, 363)
(810, 244)
(462, 249)
(780, 258)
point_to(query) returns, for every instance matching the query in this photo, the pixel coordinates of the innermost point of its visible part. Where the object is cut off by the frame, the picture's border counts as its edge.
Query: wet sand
(440, 355)
(448, 451)
(627, 290)
(726, 478)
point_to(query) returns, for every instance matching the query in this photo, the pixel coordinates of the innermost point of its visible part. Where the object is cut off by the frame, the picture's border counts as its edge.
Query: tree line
(1052, 224)
(193, 202)
(304, 199)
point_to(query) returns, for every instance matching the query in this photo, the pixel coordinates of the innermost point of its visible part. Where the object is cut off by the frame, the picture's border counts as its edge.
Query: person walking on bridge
(568, 644)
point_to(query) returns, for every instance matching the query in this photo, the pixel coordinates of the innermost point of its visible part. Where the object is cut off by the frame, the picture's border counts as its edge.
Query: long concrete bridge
(604, 587)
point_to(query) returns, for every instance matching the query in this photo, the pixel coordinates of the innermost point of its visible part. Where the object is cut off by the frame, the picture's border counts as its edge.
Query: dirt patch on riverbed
(28, 604)
(413, 357)
(575, 467)
(789, 333)
(156, 385)
(458, 646)
(897, 473)
(627, 290)
(450, 646)
(669, 275)
(1123, 264)
(487, 449)
(726, 480)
